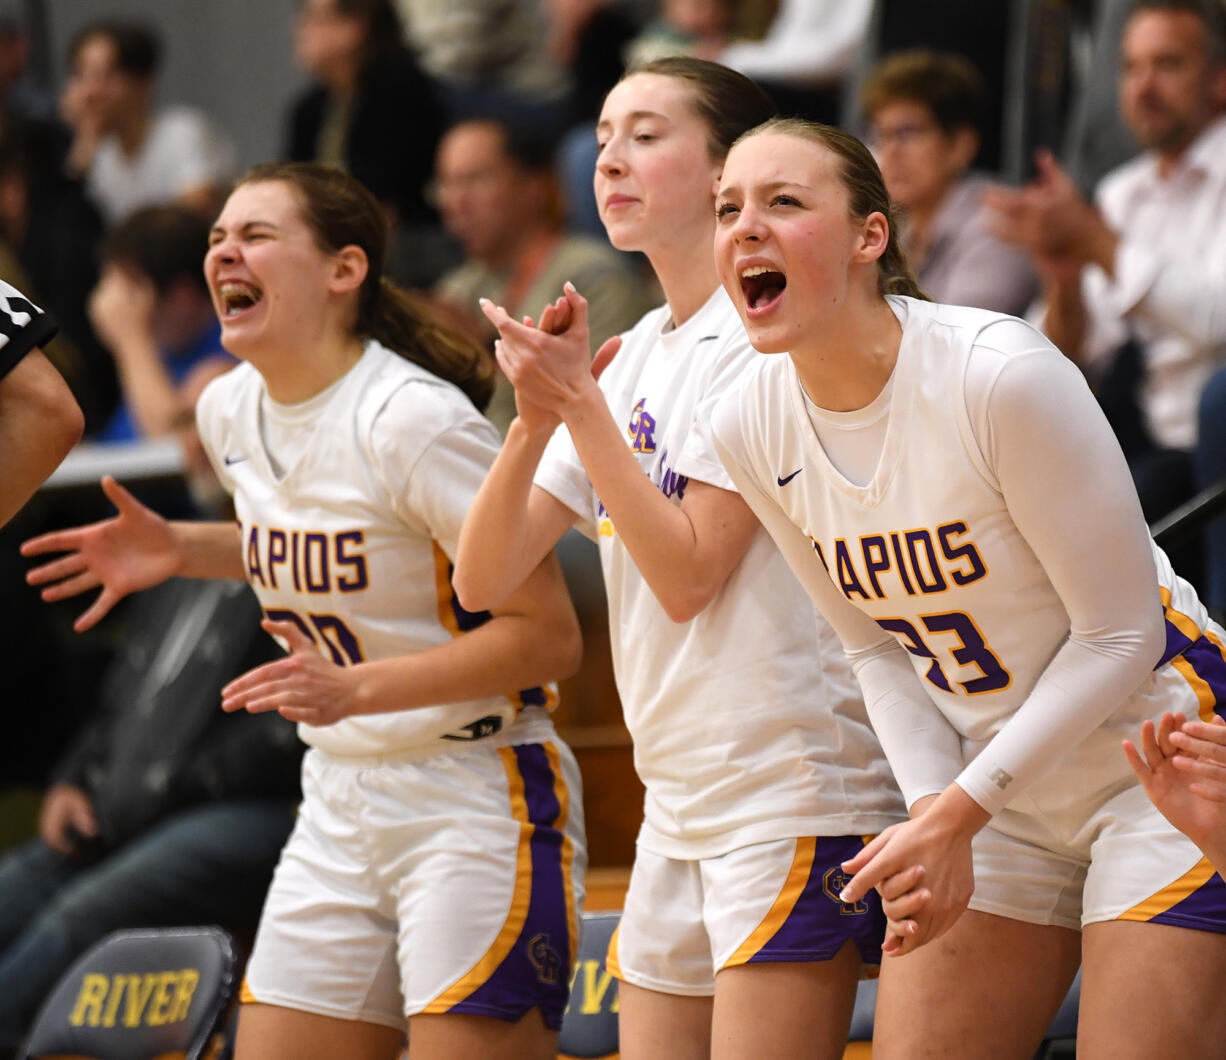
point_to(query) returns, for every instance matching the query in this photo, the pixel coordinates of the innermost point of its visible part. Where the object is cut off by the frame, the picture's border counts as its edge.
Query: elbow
(557, 644)
(468, 594)
(569, 650)
(39, 389)
(63, 422)
(687, 604)
(474, 592)
(71, 427)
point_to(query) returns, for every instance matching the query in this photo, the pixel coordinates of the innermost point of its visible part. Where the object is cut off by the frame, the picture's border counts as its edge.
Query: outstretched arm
(133, 550)
(685, 552)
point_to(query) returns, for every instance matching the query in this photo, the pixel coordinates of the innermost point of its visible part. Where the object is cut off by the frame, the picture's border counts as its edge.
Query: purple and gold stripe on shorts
(807, 921)
(528, 965)
(1181, 631)
(1196, 900)
(1203, 666)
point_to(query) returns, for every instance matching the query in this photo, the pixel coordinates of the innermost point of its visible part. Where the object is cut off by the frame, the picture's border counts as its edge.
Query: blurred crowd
(1060, 160)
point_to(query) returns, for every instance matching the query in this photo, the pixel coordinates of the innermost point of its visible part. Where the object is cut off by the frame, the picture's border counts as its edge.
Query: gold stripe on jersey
(245, 996)
(520, 899)
(1204, 693)
(1171, 895)
(1187, 626)
(611, 962)
(451, 623)
(562, 793)
(442, 583)
(789, 895)
(1207, 710)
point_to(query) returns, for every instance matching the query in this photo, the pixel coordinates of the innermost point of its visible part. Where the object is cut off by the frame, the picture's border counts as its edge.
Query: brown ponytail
(340, 213)
(405, 322)
(866, 194)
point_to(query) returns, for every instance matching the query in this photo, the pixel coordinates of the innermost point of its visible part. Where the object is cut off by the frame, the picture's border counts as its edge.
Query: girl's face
(786, 245)
(654, 174)
(270, 281)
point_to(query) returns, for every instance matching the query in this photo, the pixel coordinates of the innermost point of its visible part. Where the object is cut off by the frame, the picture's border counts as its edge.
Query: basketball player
(944, 484)
(434, 870)
(761, 772)
(39, 418)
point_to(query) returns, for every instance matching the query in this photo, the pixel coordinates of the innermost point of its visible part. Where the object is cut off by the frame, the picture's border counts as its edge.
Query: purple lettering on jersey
(967, 552)
(848, 581)
(278, 553)
(876, 560)
(935, 583)
(358, 579)
(319, 562)
(671, 484)
(912, 556)
(820, 554)
(294, 538)
(254, 571)
(641, 429)
(902, 566)
(315, 563)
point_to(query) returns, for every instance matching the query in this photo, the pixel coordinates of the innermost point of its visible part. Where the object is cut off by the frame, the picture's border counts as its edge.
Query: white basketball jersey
(354, 542)
(927, 548)
(746, 720)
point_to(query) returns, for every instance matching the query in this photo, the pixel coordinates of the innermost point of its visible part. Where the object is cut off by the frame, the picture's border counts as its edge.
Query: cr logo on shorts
(833, 883)
(545, 959)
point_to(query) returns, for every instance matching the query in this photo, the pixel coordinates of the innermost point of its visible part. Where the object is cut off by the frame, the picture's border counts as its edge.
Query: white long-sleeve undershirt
(1069, 494)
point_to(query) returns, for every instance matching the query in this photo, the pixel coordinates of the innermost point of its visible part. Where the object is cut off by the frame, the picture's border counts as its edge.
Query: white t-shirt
(746, 722)
(183, 150)
(354, 542)
(1169, 286)
(996, 565)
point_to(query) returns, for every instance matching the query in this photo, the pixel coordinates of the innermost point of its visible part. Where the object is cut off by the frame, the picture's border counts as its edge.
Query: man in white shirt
(1135, 290)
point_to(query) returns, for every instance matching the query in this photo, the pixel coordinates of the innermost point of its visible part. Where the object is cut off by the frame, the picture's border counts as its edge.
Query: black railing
(1189, 518)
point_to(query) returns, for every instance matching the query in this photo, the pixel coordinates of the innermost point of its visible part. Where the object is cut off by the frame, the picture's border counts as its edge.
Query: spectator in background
(1135, 290)
(153, 311)
(489, 58)
(589, 39)
(20, 95)
(130, 154)
(164, 810)
(925, 111)
(498, 195)
(807, 51)
(366, 83)
(700, 28)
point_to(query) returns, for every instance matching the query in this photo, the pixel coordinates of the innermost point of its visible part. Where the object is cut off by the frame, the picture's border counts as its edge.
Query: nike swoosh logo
(234, 460)
(785, 481)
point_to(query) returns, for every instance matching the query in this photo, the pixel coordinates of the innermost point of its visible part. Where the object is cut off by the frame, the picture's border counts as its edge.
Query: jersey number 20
(335, 636)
